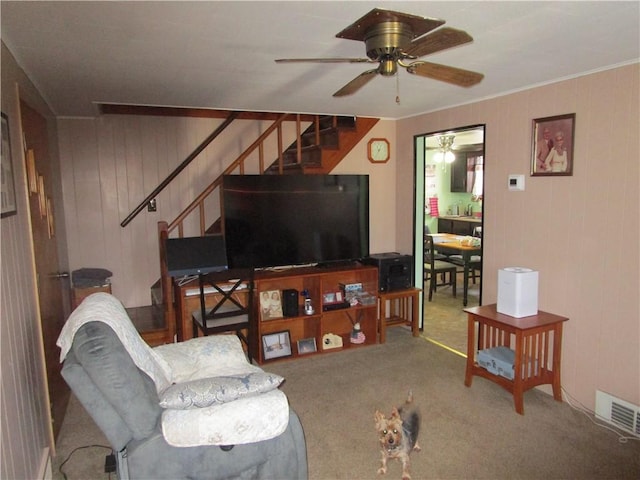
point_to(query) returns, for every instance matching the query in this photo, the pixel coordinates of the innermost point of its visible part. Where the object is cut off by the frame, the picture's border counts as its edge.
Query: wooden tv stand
(317, 281)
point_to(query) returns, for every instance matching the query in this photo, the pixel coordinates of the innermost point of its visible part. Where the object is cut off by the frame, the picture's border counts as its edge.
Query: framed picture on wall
(8, 188)
(552, 145)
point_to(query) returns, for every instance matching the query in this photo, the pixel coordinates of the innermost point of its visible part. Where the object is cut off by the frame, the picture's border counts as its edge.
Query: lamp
(445, 154)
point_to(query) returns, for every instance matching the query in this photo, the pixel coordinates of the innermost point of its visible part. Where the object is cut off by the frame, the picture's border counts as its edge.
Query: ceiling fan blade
(357, 83)
(325, 60)
(444, 73)
(441, 39)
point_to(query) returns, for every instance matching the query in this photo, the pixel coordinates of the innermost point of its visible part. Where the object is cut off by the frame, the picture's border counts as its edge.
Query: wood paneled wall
(111, 163)
(580, 232)
(26, 434)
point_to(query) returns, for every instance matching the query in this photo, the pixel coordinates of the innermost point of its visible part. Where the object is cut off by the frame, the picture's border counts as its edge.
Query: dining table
(466, 247)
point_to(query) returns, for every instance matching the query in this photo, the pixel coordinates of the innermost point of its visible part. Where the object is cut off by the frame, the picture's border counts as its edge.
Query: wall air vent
(622, 414)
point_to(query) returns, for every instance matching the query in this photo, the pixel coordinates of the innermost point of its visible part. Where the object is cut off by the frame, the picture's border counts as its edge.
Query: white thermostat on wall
(516, 183)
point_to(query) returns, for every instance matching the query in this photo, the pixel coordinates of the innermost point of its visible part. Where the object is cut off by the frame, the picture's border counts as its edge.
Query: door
(438, 194)
(52, 285)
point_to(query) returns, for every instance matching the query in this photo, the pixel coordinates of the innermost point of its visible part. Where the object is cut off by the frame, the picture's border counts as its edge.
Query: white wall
(580, 232)
(382, 179)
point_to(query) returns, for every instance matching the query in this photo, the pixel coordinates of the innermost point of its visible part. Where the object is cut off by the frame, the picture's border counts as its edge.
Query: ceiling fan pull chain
(397, 89)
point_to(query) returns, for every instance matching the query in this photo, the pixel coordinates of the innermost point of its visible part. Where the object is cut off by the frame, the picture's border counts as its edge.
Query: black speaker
(290, 303)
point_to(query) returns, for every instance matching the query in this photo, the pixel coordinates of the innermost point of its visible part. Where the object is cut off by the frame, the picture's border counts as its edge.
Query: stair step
(215, 228)
(354, 131)
(328, 138)
(311, 155)
(156, 293)
(341, 121)
(287, 169)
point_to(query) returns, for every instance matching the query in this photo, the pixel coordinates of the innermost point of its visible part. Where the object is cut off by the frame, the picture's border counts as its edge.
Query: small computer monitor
(196, 255)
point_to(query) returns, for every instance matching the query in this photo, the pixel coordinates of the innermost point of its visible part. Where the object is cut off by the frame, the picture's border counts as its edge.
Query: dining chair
(476, 268)
(229, 295)
(475, 261)
(434, 268)
(475, 264)
(427, 233)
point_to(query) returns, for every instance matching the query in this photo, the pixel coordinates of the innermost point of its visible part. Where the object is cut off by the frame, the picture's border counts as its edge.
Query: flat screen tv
(196, 255)
(287, 220)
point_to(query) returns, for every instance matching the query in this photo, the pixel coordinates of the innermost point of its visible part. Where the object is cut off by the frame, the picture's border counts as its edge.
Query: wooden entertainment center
(321, 285)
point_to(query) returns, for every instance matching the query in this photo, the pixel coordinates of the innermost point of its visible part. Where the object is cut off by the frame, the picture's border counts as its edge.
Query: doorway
(449, 180)
(52, 283)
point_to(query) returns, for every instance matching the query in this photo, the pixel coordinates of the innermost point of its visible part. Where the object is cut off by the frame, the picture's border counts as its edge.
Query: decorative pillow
(204, 357)
(216, 390)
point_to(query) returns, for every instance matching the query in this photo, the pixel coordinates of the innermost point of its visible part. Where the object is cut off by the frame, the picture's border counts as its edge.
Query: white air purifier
(517, 292)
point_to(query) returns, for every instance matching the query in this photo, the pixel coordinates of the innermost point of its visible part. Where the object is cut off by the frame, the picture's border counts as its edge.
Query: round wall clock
(378, 150)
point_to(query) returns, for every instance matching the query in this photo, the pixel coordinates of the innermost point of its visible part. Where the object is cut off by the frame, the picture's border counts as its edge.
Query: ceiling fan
(397, 39)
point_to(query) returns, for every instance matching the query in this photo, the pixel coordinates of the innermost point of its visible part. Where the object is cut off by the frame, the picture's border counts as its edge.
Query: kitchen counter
(458, 225)
(461, 218)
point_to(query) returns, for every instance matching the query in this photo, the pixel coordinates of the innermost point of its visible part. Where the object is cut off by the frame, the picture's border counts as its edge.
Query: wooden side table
(79, 294)
(538, 349)
(403, 310)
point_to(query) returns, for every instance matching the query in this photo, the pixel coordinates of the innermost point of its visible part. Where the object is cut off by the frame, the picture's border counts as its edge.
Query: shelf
(318, 282)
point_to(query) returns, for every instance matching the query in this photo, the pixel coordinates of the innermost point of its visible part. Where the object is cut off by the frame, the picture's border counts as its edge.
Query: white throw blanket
(104, 307)
(246, 420)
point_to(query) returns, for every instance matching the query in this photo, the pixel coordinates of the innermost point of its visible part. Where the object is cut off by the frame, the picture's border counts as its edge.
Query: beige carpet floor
(445, 321)
(467, 433)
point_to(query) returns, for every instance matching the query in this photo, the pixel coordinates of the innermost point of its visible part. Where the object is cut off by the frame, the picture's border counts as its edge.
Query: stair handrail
(198, 202)
(164, 228)
(227, 121)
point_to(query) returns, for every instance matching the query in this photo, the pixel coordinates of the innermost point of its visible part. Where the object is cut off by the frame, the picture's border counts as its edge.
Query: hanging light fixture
(445, 154)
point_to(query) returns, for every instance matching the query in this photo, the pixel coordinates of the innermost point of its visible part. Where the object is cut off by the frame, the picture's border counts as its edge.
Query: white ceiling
(220, 55)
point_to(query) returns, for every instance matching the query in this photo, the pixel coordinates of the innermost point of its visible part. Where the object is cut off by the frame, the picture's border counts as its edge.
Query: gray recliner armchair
(124, 402)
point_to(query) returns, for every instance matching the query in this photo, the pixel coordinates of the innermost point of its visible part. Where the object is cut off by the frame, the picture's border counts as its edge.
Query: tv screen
(196, 255)
(282, 220)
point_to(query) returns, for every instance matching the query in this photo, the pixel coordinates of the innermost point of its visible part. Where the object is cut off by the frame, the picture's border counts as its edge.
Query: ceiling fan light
(438, 157)
(388, 67)
(449, 157)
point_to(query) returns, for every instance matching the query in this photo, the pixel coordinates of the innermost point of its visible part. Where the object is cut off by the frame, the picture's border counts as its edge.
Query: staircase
(318, 149)
(322, 145)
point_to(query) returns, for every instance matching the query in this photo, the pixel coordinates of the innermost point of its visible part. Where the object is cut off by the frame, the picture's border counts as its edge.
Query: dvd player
(327, 307)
